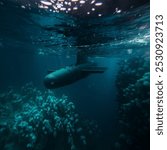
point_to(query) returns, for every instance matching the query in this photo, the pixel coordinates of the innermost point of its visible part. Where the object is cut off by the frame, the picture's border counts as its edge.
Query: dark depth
(107, 111)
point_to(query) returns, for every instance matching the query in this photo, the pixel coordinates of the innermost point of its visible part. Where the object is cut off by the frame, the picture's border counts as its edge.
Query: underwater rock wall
(133, 84)
(41, 121)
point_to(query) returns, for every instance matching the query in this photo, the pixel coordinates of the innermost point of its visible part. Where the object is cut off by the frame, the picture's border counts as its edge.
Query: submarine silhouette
(71, 74)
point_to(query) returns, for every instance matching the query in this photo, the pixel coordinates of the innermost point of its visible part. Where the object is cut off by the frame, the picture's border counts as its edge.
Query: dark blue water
(33, 42)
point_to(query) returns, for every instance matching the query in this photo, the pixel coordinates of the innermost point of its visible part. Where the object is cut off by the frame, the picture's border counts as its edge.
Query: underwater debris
(43, 121)
(133, 83)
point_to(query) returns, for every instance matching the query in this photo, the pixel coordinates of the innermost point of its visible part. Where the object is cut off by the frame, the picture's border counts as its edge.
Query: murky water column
(95, 96)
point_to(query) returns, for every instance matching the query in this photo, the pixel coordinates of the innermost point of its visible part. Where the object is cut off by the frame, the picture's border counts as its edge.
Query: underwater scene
(75, 75)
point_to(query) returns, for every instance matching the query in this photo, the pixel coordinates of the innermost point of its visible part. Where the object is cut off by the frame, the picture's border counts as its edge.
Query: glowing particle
(92, 1)
(75, 8)
(69, 4)
(59, 5)
(82, 2)
(63, 8)
(74, 0)
(117, 10)
(69, 9)
(99, 15)
(99, 4)
(46, 3)
(54, 7)
(88, 13)
(23, 7)
(93, 9)
(43, 6)
(40, 6)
